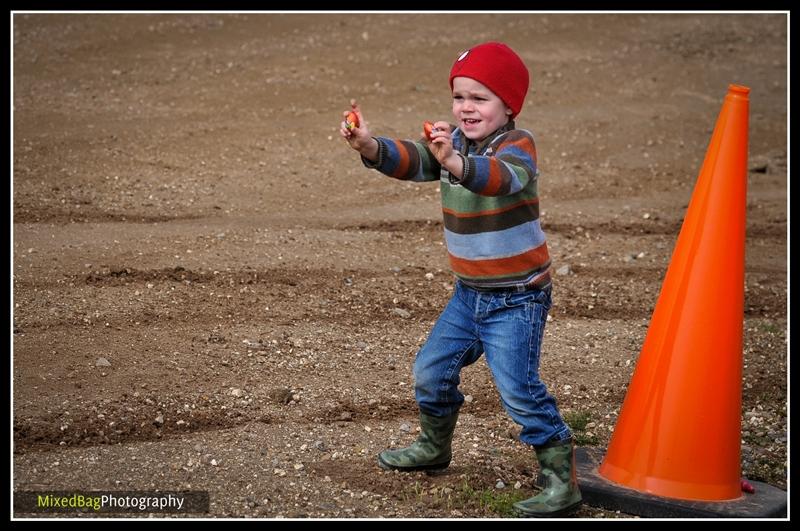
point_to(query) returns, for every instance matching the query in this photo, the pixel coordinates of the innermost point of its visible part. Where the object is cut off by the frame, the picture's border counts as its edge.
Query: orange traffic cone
(678, 433)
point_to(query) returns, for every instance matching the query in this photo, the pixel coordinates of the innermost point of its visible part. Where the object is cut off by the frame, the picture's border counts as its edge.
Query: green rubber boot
(431, 450)
(560, 494)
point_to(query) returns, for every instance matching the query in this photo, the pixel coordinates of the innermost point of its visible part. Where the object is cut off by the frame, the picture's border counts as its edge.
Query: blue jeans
(508, 327)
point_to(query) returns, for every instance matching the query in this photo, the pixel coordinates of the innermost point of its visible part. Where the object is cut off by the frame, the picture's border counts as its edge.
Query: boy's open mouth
(471, 121)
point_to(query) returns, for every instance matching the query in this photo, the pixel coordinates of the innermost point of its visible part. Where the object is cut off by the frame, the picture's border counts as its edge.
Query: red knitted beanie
(497, 67)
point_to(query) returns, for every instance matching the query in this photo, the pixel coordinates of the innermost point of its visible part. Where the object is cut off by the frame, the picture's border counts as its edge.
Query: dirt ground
(212, 293)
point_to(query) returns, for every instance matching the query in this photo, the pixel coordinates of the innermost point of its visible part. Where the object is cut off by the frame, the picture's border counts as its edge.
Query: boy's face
(478, 110)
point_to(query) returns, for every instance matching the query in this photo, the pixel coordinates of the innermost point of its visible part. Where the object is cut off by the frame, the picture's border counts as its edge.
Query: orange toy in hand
(429, 129)
(351, 121)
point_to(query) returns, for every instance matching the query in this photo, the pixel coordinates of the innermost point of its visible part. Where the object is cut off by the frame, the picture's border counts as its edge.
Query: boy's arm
(508, 171)
(404, 160)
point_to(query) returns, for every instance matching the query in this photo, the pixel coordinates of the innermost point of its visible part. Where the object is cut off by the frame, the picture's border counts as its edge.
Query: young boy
(488, 177)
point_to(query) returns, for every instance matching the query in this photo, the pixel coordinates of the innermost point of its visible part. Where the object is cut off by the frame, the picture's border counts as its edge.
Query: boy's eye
(457, 98)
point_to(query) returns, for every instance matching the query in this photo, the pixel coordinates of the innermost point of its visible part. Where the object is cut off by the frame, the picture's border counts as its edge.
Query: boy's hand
(441, 145)
(357, 134)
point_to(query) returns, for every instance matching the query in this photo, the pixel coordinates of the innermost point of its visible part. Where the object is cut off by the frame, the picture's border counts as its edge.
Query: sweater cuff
(469, 169)
(382, 151)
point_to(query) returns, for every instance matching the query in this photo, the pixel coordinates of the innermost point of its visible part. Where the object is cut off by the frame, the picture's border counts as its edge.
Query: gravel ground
(211, 293)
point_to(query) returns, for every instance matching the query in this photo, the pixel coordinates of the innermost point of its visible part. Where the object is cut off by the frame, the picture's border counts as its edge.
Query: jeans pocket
(518, 306)
(529, 302)
(511, 300)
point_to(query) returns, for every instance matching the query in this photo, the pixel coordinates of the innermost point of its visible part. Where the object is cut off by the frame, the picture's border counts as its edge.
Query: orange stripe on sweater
(402, 166)
(501, 266)
(524, 144)
(495, 179)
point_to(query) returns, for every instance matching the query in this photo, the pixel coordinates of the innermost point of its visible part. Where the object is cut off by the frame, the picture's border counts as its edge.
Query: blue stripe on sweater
(524, 157)
(392, 156)
(481, 176)
(498, 244)
(516, 184)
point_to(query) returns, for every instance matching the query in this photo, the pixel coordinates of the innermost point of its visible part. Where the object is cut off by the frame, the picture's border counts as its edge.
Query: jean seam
(529, 370)
(459, 292)
(538, 329)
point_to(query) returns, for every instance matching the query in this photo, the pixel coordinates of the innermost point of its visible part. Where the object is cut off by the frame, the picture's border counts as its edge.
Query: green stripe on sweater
(459, 199)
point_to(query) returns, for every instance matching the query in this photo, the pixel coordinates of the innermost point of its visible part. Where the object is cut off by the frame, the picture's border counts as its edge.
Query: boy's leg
(452, 344)
(512, 334)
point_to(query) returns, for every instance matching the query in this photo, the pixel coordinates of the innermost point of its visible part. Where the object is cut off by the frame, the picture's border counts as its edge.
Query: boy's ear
(509, 111)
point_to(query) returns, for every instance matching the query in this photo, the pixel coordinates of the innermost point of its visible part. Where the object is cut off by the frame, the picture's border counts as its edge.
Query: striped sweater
(491, 214)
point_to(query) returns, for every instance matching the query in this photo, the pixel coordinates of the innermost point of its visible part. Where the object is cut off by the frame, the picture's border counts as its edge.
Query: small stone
(401, 312)
(564, 270)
